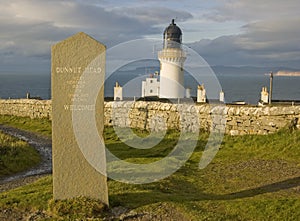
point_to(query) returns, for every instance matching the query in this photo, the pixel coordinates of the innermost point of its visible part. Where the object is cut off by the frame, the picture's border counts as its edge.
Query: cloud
(269, 37)
(267, 43)
(254, 10)
(29, 28)
(71, 14)
(268, 30)
(154, 15)
(288, 73)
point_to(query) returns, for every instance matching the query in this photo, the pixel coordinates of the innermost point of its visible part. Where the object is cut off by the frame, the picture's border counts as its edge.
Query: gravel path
(42, 145)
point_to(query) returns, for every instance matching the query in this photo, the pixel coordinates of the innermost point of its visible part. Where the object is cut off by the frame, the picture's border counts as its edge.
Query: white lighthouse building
(172, 58)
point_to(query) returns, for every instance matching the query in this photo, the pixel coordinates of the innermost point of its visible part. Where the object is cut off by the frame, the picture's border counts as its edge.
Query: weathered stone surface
(73, 175)
(26, 108)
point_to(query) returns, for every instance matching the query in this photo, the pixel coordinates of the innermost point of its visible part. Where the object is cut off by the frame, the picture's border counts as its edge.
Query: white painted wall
(171, 73)
(150, 87)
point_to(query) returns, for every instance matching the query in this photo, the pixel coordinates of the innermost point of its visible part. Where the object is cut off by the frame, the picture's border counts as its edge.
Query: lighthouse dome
(172, 36)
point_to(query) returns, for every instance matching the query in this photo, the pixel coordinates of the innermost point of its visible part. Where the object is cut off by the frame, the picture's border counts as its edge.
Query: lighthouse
(172, 58)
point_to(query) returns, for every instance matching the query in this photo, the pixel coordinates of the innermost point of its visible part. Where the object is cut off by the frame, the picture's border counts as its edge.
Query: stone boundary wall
(26, 108)
(239, 120)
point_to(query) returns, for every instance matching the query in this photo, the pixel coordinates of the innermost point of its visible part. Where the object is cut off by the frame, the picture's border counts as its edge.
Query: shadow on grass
(270, 188)
(189, 192)
(163, 149)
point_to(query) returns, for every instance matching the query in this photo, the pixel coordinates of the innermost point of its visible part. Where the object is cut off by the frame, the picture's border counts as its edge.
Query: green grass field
(251, 178)
(15, 155)
(40, 126)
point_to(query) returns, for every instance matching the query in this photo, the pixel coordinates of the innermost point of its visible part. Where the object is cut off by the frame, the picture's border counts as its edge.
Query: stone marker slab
(73, 66)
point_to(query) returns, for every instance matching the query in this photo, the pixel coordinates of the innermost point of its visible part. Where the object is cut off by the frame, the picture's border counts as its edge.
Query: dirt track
(42, 145)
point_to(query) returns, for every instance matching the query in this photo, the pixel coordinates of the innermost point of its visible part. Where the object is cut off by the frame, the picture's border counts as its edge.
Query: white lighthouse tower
(171, 59)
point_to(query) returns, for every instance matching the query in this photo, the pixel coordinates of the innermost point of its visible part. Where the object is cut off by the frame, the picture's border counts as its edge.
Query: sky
(223, 32)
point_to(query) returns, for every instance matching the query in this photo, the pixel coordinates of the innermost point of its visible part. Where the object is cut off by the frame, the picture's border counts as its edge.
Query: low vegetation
(40, 126)
(251, 178)
(15, 155)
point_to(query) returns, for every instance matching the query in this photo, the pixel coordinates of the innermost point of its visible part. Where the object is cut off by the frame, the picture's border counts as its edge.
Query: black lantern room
(172, 36)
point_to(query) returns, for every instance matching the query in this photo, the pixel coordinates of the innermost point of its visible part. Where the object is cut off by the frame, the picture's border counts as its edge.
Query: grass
(251, 178)
(39, 126)
(34, 196)
(16, 155)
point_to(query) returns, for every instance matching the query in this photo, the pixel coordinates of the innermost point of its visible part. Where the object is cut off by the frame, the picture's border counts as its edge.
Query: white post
(201, 94)
(222, 96)
(118, 92)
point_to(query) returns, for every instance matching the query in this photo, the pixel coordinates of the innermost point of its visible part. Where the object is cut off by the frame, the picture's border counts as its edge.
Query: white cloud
(273, 43)
(29, 28)
(254, 10)
(53, 20)
(269, 32)
(154, 15)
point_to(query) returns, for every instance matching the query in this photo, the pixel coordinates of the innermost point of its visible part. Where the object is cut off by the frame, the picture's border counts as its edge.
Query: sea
(236, 86)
